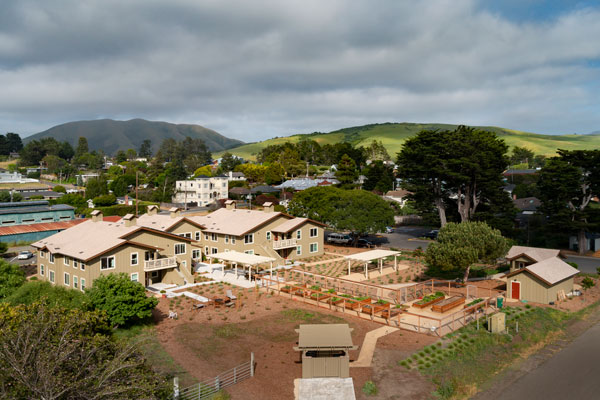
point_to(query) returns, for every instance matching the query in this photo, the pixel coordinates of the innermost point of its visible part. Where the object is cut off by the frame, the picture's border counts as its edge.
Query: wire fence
(207, 389)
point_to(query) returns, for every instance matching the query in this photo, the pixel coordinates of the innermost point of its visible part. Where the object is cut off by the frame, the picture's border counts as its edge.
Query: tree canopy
(459, 246)
(124, 301)
(358, 211)
(11, 278)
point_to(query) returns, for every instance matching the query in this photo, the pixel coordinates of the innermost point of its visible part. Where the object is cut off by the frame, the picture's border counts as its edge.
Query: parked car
(25, 255)
(433, 234)
(339, 238)
(389, 229)
(364, 243)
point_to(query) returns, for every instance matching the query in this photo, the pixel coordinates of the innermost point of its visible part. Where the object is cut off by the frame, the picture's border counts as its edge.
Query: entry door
(515, 289)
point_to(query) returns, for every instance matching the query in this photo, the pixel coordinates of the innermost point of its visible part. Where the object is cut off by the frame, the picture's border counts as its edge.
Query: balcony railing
(160, 263)
(284, 244)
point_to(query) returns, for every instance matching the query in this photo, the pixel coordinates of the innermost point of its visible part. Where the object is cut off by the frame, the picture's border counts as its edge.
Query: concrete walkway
(368, 347)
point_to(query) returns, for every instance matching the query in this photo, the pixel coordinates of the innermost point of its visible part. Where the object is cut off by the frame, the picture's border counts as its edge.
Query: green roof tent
(325, 350)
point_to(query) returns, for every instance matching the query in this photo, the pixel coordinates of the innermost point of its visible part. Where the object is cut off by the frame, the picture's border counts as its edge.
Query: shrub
(124, 300)
(369, 388)
(32, 292)
(11, 278)
(587, 282)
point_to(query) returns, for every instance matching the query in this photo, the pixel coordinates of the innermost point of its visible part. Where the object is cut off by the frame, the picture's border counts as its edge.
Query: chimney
(268, 207)
(126, 200)
(230, 205)
(153, 209)
(514, 196)
(130, 220)
(230, 174)
(175, 212)
(97, 216)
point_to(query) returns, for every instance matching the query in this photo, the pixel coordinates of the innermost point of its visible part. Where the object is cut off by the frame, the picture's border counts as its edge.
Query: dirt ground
(210, 341)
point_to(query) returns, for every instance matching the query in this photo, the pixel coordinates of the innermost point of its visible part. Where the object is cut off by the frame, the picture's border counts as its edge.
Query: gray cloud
(253, 70)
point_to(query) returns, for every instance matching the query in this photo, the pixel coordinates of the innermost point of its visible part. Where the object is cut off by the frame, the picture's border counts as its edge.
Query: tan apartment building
(77, 256)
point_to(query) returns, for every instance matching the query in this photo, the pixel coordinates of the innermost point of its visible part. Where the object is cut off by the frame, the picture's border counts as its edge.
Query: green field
(393, 136)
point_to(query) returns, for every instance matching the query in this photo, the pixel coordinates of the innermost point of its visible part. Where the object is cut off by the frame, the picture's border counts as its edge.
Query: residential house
(399, 196)
(236, 176)
(202, 190)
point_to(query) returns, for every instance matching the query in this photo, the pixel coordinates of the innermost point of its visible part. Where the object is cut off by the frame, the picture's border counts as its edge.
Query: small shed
(325, 350)
(541, 282)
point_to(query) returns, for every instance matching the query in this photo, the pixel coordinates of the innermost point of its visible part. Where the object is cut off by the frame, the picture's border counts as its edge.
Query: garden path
(368, 346)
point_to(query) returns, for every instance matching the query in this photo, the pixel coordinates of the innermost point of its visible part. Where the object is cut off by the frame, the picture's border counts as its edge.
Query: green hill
(112, 136)
(393, 136)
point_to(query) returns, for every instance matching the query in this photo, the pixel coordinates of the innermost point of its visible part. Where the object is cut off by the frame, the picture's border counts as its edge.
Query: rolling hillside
(111, 136)
(394, 134)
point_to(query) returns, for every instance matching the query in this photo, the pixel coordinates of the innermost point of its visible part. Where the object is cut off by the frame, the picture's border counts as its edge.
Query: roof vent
(97, 216)
(130, 220)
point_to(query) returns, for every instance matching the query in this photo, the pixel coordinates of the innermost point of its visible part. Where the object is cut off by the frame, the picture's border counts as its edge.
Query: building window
(134, 259)
(196, 254)
(107, 263)
(268, 235)
(214, 250)
(51, 276)
(187, 235)
(298, 250)
(249, 239)
(67, 279)
(213, 237)
(249, 252)
(134, 277)
(42, 269)
(198, 235)
(314, 232)
(51, 258)
(75, 284)
(233, 240)
(75, 263)
(205, 236)
(82, 266)
(179, 248)
(298, 234)
(42, 254)
(226, 239)
(206, 250)
(66, 261)
(82, 284)
(314, 247)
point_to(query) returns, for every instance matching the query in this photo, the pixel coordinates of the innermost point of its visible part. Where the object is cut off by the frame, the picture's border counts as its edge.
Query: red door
(515, 290)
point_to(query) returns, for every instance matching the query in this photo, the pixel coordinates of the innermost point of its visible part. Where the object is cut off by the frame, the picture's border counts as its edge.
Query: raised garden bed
(354, 303)
(429, 300)
(393, 311)
(478, 303)
(286, 289)
(448, 304)
(320, 296)
(336, 300)
(374, 308)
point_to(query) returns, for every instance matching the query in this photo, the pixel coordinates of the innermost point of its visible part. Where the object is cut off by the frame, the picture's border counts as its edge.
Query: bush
(11, 278)
(572, 264)
(59, 189)
(124, 301)
(105, 200)
(35, 291)
(369, 388)
(588, 282)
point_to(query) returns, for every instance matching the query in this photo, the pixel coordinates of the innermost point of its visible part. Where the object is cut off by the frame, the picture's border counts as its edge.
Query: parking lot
(404, 237)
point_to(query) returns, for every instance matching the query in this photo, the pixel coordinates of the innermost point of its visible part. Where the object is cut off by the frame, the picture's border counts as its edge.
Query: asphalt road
(585, 264)
(570, 374)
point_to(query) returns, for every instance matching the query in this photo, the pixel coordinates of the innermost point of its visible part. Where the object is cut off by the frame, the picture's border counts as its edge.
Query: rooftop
(324, 336)
(289, 225)
(537, 254)
(27, 207)
(234, 222)
(551, 270)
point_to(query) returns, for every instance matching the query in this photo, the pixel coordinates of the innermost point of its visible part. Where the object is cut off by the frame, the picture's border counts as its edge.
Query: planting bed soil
(448, 304)
(429, 300)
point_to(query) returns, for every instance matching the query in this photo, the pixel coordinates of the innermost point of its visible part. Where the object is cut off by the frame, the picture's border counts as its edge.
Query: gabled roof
(536, 254)
(294, 223)
(235, 222)
(164, 222)
(550, 271)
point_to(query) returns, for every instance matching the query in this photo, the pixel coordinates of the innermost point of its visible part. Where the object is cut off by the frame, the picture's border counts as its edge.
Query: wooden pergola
(373, 255)
(236, 258)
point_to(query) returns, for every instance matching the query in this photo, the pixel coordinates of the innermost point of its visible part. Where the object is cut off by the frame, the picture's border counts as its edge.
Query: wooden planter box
(428, 303)
(448, 304)
(339, 300)
(377, 308)
(475, 307)
(286, 290)
(322, 297)
(392, 312)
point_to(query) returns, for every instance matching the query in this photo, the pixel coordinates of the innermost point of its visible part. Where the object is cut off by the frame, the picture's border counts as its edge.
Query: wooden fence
(208, 388)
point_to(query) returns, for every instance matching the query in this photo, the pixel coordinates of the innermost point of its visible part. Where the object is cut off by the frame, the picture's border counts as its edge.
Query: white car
(25, 255)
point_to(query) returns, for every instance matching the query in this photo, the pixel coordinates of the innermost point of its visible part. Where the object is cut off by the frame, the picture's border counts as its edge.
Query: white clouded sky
(257, 69)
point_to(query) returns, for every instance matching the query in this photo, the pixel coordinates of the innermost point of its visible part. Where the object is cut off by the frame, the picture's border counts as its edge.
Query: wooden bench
(448, 304)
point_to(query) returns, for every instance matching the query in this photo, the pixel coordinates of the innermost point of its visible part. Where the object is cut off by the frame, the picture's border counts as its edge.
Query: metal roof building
(34, 212)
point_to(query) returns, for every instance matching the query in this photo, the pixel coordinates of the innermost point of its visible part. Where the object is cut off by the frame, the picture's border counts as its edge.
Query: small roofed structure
(325, 350)
(522, 256)
(541, 282)
(373, 255)
(236, 258)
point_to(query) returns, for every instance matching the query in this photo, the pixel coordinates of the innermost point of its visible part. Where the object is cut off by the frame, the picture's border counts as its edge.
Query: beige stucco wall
(532, 289)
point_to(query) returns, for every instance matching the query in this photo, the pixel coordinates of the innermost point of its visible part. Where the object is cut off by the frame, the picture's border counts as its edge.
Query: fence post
(234, 375)
(217, 385)
(175, 387)
(251, 364)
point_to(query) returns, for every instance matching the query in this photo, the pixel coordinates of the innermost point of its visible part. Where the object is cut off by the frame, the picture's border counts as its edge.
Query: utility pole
(136, 192)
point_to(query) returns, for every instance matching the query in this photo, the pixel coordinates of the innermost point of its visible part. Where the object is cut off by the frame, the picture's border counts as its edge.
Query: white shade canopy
(372, 255)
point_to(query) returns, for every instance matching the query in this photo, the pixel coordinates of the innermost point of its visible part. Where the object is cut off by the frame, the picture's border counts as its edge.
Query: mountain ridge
(113, 135)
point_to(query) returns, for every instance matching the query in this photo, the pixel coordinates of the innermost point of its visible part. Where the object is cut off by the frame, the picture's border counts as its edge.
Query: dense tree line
(9, 143)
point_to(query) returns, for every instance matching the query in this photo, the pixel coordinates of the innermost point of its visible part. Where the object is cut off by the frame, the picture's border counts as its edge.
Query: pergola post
(395, 263)
(381, 266)
(271, 271)
(236, 274)
(348, 267)
(367, 270)
(250, 273)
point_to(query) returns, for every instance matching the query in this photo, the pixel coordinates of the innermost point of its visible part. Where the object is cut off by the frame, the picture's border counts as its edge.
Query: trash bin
(499, 302)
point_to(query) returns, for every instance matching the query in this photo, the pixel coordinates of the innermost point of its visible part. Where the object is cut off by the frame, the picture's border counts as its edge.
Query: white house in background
(15, 177)
(236, 176)
(202, 190)
(399, 196)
